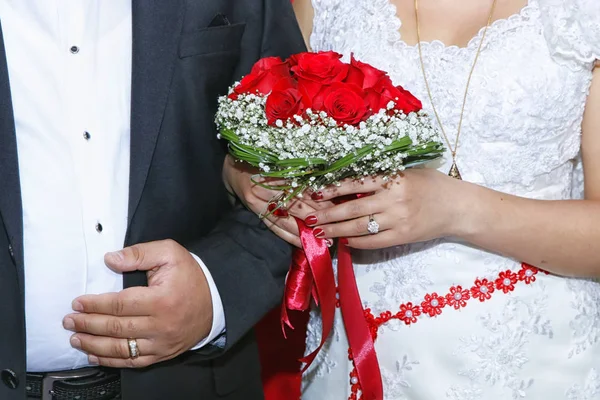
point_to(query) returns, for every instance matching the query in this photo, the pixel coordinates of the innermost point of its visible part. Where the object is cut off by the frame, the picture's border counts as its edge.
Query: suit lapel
(156, 28)
(10, 187)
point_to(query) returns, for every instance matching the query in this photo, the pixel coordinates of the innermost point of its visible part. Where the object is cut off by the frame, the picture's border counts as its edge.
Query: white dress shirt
(70, 75)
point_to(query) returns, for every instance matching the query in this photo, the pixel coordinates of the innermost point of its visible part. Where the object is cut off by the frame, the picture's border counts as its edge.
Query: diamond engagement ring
(372, 226)
(133, 348)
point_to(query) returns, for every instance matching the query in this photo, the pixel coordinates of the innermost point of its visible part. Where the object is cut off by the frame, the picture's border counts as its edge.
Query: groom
(107, 141)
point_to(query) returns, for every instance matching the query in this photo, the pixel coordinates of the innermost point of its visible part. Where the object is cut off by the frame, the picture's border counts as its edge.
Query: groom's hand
(167, 318)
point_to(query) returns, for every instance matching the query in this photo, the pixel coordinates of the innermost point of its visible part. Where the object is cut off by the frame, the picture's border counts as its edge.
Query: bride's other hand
(417, 205)
(237, 177)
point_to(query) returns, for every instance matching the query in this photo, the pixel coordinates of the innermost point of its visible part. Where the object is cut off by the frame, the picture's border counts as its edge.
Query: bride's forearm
(562, 237)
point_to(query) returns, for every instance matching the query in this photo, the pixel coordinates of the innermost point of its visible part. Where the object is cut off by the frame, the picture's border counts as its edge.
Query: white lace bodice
(540, 338)
(521, 131)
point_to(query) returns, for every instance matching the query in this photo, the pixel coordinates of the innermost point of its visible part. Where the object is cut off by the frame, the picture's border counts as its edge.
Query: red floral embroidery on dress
(482, 290)
(433, 305)
(527, 274)
(355, 386)
(457, 297)
(409, 313)
(506, 281)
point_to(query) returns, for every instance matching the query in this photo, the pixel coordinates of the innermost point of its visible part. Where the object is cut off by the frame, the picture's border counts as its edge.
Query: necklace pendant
(454, 172)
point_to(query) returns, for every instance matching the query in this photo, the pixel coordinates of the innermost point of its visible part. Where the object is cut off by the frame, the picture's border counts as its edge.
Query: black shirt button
(99, 227)
(86, 135)
(9, 378)
(74, 49)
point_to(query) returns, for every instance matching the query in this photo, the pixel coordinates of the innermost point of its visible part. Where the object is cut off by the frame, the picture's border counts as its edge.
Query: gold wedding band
(133, 348)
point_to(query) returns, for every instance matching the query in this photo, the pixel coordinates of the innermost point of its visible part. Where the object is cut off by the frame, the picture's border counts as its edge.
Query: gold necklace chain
(454, 172)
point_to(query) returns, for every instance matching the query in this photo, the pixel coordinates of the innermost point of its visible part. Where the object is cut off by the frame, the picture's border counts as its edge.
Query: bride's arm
(559, 236)
(305, 14)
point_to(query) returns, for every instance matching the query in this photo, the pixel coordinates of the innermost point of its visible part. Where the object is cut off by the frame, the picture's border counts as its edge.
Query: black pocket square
(219, 20)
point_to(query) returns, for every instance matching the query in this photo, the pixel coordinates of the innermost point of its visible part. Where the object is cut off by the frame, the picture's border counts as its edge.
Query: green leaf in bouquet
(288, 172)
(347, 160)
(399, 144)
(267, 186)
(306, 162)
(250, 154)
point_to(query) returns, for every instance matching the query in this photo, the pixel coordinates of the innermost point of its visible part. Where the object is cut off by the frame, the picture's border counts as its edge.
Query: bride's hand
(415, 206)
(237, 178)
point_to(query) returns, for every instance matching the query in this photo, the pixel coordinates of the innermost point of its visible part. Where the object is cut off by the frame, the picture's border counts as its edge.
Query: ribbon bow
(311, 277)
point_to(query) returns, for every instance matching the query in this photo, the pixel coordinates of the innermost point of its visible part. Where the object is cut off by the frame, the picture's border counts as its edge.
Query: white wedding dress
(536, 336)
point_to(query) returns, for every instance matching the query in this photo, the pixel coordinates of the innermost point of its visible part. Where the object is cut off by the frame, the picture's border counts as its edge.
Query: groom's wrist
(216, 335)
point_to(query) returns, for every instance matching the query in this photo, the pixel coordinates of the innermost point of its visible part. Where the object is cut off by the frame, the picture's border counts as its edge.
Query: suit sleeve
(248, 263)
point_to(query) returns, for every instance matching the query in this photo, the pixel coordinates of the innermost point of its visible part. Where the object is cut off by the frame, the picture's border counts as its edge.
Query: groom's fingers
(111, 326)
(144, 256)
(129, 302)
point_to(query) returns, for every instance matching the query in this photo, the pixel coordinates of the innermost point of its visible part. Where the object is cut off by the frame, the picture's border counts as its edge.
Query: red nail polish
(281, 212)
(311, 220)
(278, 212)
(319, 233)
(317, 196)
(329, 242)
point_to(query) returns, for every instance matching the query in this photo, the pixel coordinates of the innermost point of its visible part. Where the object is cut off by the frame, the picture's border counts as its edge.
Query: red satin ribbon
(311, 275)
(357, 330)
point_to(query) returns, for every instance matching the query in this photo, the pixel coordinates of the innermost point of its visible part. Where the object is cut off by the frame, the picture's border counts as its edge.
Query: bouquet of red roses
(315, 120)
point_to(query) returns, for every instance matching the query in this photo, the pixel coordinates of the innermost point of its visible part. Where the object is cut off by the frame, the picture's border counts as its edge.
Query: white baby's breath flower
(315, 135)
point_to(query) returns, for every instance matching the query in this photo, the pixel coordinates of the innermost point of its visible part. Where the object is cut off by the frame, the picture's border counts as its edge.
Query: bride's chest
(523, 111)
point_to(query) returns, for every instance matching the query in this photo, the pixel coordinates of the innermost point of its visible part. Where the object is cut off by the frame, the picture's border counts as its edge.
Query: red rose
(344, 103)
(371, 75)
(315, 70)
(379, 95)
(355, 76)
(323, 67)
(263, 77)
(406, 102)
(284, 102)
(266, 64)
(293, 59)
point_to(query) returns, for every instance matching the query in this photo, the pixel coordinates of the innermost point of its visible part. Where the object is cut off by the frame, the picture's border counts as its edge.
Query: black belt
(77, 384)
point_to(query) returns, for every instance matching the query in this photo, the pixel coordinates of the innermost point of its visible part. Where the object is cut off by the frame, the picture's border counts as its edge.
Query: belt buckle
(50, 378)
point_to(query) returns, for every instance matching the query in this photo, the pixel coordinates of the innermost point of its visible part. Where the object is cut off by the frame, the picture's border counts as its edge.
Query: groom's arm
(247, 262)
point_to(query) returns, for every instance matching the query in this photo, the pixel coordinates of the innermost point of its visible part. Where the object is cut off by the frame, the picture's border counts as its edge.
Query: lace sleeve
(572, 29)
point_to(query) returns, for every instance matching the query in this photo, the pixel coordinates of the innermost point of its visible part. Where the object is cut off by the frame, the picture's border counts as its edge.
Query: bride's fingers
(378, 241)
(300, 209)
(284, 234)
(264, 193)
(287, 224)
(350, 186)
(352, 228)
(345, 211)
(297, 207)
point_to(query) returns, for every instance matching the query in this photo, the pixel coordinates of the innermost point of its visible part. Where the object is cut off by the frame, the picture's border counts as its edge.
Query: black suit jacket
(180, 67)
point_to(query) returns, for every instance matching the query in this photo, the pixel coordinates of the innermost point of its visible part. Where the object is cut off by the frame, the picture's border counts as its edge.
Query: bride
(507, 82)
